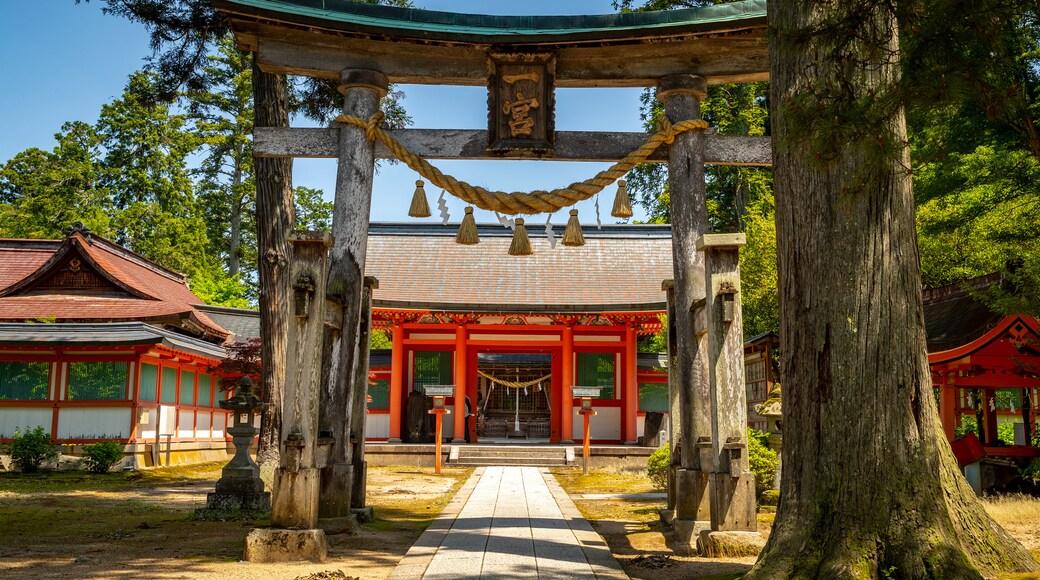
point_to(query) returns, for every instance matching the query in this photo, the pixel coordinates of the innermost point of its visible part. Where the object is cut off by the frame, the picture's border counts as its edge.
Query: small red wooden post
(439, 410)
(586, 412)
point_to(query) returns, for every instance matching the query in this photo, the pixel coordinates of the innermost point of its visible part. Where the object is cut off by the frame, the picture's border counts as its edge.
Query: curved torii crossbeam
(724, 43)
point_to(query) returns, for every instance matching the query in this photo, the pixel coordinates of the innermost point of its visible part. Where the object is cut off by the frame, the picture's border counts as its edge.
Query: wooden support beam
(733, 56)
(472, 144)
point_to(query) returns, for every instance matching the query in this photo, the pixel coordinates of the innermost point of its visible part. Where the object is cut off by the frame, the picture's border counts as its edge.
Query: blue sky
(62, 61)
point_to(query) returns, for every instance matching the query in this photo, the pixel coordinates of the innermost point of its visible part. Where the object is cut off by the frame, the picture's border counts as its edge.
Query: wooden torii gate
(365, 47)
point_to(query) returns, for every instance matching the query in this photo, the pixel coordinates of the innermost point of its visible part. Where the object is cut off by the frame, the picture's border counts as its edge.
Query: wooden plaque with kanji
(521, 102)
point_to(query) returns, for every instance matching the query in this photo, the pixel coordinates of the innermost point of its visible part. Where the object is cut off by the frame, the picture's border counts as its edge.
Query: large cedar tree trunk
(870, 487)
(274, 221)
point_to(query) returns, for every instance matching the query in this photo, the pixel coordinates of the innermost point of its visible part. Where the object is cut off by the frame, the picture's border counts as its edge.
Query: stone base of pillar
(268, 545)
(687, 531)
(224, 502)
(295, 501)
(692, 501)
(364, 514)
(714, 544)
(458, 441)
(733, 502)
(667, 516)
(339, 525)
(671, 486)
(394, 440)
(566, 441)
(337, 485)
(357, 494)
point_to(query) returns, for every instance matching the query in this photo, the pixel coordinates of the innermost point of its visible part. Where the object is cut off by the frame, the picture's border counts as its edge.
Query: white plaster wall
(186, 425)
(640, 425)
(146, 426)
(16, 418)
(606, 424)
(203, 424)
(94, 423)
(219, 423)
(377, 426)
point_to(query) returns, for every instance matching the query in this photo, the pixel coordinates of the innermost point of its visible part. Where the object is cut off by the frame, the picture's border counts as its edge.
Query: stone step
(463, 452)
(511, 461)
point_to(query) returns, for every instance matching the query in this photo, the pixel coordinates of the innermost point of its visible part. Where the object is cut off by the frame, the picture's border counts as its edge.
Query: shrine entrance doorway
(514, 396)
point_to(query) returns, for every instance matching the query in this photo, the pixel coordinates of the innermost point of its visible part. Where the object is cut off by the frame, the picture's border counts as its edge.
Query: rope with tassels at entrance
(533, 202)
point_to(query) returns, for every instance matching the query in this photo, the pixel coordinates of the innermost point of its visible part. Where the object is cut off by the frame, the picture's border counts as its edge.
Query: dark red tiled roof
(621, 267)
(141, 289)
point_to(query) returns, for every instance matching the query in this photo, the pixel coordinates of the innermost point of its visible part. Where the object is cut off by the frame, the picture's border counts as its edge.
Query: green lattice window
(205, 390)
(653, 397)
(97, 381)
(24, 381)
(187, 388)
(149, 382)
(379, 391)
(169, 385)
(596, 369)
(433, 368)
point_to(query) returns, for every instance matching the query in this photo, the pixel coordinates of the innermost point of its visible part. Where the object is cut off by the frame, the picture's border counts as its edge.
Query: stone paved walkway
(509, 522)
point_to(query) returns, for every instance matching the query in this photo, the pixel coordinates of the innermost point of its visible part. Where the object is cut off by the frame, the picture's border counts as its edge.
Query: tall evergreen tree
(870, 486)
(43, 192)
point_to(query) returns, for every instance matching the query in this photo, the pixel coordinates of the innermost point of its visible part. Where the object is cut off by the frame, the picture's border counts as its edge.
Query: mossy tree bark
(870, 487)
(274, 222)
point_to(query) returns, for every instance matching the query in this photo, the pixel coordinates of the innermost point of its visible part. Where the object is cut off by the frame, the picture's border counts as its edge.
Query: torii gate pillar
(681, 96)
(343, 354)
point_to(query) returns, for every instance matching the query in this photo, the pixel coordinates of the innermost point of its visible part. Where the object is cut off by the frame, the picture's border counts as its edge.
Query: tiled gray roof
(243, 323)
(103, 334)
(620, 267)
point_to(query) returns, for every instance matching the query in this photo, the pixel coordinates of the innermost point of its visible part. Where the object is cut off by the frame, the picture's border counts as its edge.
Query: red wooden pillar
(461, 358)
(397, 359)
(948, 405)
(990, 416)
(566, 382)
(629, 388)
(471, 388)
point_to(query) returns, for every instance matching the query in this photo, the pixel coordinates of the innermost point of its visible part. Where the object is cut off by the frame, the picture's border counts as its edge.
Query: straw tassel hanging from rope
(521, 245)
(468, 230)
(420, 208)
(622, 205)
(572, 235)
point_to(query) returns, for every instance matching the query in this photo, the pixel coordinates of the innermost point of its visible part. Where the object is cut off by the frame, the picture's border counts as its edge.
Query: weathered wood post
(732, 485)
(294, 506)
(362, 90)
(674, 404)
(681, 96)
(359, 400)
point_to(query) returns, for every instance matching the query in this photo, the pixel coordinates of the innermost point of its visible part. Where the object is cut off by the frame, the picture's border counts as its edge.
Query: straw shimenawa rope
(517, 202)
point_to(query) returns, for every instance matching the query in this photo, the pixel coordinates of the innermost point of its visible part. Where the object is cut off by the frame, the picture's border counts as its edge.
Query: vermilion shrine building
(985, 366)
(116, 345)
(487, 322)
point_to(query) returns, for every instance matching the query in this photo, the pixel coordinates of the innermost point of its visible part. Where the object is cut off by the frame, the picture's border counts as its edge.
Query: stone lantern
(240, 487)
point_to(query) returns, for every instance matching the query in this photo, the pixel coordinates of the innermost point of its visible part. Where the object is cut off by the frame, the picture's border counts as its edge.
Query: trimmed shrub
(657, 466)
(1031, 472)
(100, 457)
(762, 460)
(32, 449)
(770, 497)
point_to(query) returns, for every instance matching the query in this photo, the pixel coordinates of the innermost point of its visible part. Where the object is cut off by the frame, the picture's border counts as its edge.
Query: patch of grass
(58, 481)
(1013, 509)
(641, 511)
(394, 512)
(603, 481)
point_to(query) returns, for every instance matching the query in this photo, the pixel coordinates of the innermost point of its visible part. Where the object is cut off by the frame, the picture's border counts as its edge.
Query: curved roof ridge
(418, 23)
